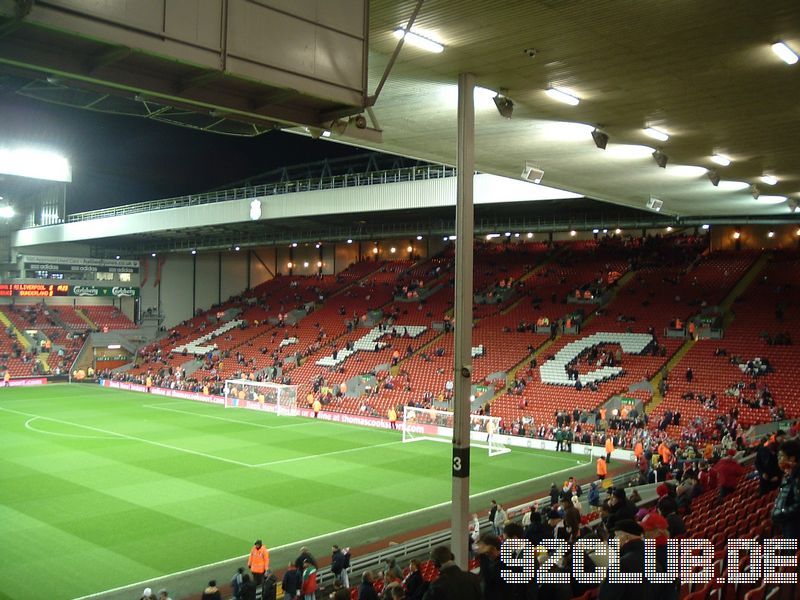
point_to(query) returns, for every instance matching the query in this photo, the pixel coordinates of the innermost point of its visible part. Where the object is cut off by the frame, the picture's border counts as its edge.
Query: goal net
(437, 426)
(241, 393)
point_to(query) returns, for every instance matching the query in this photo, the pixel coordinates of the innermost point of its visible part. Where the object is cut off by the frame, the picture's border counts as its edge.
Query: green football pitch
(102, 488)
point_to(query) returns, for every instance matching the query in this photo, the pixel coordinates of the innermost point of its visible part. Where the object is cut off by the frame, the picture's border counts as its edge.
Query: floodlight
(660, 158)
(7, 212)
(600, 139)
(721, 160)
(35, 164)
(504, 104)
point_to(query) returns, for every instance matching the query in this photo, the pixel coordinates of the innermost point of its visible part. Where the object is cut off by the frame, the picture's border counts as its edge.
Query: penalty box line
(196, 452)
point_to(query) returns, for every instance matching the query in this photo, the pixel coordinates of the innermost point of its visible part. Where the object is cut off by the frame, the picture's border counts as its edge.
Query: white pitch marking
(163, 406)
(30, 427)
(335, 452)
(132, 438)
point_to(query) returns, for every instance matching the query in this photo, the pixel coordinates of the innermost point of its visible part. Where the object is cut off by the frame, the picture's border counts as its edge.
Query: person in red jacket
(728, 473)
(707, 477)
(309, 586)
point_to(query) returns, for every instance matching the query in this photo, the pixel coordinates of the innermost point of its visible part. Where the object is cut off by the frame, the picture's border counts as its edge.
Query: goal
(241, 393)
(437, 426)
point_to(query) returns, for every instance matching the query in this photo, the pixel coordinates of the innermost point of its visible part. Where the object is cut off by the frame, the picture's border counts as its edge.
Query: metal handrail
(271, 189)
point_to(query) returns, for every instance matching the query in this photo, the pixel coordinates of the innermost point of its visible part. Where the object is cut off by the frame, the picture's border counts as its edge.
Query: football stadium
(408, 299)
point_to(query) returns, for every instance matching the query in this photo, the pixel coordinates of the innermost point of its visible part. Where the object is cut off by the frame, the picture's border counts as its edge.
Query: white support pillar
(463, 317)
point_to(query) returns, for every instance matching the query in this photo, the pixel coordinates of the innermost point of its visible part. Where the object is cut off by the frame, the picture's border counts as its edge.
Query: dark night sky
(120, 159)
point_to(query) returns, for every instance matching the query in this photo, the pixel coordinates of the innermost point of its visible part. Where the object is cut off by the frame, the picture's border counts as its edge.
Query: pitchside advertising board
(47, 290)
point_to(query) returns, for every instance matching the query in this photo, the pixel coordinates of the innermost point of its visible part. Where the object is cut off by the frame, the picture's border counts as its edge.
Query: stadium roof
(704, 73)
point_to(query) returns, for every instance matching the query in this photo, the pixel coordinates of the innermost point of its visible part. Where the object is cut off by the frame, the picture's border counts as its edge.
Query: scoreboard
(47, 290)
(34, 290)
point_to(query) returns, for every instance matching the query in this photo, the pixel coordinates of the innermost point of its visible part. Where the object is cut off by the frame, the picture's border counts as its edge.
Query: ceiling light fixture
(769, 179)
(236, 248)
(349, 241)
(504, 104)
(737, 234)
(721, 160)
(785, 53)
(618, 231)
(7, 212)
(706, 226)
(669, 228)
(193, 252)
(687, 171)
(713, 177)
(656, 134)
(305, 264)
(530, 235)
(419, 41)
(573, 233)
(562, 96)
(600, 139)
(660, 158)
(419, 237)
(153, 254)
(770, 234)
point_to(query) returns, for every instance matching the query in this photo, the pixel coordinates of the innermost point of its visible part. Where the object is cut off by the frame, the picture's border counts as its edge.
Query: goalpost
(241, 393)
(437, 426)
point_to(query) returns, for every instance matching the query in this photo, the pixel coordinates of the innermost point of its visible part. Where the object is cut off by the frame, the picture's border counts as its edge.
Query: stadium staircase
(85, 318)
(21, 337)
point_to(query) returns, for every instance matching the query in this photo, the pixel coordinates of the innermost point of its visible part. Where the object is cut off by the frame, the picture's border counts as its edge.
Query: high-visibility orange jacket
(602, 469)
(638, 449)
(609, 446)
(259, 559)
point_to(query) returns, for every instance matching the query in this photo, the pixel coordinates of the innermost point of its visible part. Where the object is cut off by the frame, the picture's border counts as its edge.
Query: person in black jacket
(621, 508)
(305, 555)
(769, 474)
(339, 563)
(786, 512)
(631, 560)
(366, 591)
(414, 584)
(554, 494)
(452, 583)
(292, 580)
